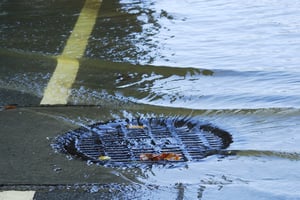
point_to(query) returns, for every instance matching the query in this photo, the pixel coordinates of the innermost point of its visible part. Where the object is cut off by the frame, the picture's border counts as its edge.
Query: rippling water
(251, 47)
(231, 63)
(242, 36)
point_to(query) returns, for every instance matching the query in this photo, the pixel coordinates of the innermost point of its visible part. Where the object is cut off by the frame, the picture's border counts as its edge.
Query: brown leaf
(159, 157)
(10, 107)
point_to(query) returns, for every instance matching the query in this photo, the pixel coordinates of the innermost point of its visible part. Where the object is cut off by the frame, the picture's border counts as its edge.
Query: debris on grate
(144, 141)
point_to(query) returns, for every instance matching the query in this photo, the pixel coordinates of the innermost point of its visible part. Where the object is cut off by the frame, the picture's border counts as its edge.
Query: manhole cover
(139, 141)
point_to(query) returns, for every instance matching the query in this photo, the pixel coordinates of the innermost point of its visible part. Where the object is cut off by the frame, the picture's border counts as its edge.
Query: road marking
(59, 86)
(17, 195)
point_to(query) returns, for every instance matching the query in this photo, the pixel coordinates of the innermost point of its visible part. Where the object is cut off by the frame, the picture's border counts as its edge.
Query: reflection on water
(238, 35)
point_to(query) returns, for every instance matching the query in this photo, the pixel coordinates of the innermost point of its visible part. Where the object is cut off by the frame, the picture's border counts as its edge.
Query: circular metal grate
(154, 140)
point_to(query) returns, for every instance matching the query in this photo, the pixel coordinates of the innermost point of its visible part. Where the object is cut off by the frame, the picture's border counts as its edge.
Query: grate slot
(125, 140)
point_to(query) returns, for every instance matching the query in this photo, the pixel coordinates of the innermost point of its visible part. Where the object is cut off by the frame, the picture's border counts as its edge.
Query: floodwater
(234, 64)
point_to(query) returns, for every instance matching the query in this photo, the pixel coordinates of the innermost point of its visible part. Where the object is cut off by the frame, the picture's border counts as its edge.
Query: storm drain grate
(125, 141)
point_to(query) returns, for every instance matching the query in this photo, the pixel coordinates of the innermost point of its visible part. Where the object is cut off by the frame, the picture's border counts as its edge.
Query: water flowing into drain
(144, 141)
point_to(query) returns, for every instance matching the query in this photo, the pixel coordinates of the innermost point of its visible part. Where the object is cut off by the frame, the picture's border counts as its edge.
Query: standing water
(234, 64)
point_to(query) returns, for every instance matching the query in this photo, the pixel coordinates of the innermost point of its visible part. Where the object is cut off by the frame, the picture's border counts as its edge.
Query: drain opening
(138, 141)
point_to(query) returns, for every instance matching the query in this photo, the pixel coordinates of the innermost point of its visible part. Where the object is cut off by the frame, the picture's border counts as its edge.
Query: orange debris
(159, 157)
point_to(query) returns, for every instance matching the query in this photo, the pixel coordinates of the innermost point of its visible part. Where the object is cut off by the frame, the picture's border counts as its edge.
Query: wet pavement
(65, 65)
(32, 164)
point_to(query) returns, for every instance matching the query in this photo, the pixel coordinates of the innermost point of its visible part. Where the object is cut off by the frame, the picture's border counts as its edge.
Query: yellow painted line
(58, 88)
(78, 40)
(17, 195)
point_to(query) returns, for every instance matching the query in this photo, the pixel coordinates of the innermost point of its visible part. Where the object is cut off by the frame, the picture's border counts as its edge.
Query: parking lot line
(58, 88)
(17, 195)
